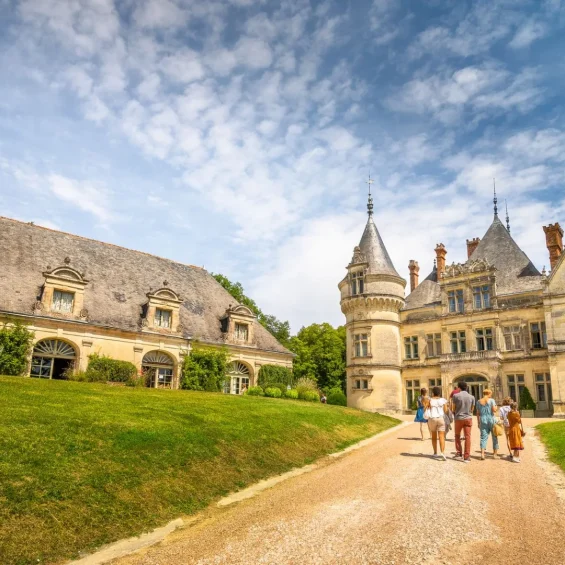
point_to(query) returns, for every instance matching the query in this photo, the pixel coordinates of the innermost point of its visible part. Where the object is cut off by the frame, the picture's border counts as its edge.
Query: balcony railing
(471, 356)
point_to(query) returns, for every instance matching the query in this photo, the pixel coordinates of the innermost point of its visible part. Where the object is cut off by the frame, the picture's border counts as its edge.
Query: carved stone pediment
(477, 266)
(358, 256)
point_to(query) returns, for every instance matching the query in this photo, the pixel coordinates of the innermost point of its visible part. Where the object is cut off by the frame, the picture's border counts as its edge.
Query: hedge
(105, 369)
(274, 374)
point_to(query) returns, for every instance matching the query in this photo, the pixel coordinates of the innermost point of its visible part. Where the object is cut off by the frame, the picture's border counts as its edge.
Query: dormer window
(63, 301)
(481, 297)
(241, 332)
(357, 283)
(163, 318)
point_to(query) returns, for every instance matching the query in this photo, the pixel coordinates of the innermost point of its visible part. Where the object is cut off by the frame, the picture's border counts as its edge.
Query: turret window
(411, 347)
(63, 301)
(361, 345)
(456, 302)
(484, 339)
(481, 297)
(357, 283)
(539, 335)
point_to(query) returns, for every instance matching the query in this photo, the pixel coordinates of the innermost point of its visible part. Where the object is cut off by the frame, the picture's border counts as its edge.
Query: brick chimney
(414, 270)
(554, 242)
(440, 254)
(472, 245)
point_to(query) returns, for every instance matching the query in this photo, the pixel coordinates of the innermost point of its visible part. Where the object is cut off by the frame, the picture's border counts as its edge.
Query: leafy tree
(526, 400)
(279, 329)
(15, 348)
(320, 354)
(204, 369)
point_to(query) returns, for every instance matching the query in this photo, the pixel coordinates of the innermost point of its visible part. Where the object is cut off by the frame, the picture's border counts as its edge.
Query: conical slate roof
(375, 252)
(515, 271)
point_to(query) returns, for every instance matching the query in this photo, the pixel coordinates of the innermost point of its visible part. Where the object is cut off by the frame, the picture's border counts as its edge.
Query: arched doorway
(52, 359)
(475, 384)
(158, 368)
(237, 380)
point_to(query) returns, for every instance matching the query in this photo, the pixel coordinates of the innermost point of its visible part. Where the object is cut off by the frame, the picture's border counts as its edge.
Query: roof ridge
(34, 225)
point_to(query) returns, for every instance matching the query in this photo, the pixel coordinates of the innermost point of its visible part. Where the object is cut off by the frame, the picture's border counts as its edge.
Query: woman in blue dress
(486, 409)
(423, 400)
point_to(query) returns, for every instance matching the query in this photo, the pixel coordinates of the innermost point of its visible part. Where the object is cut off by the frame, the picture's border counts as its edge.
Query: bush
(292, 393)
(105, 369)
(303, 385)
(76, 376)
(273, 392)
(205, 369)
(310, 396)
(274, 374)
(280, 386)
(526, 400)
(15, 348)
(255, 391)
(136, 381)
(336, 397)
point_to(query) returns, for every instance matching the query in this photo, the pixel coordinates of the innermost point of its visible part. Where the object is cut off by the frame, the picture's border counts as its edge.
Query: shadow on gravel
(425, 455)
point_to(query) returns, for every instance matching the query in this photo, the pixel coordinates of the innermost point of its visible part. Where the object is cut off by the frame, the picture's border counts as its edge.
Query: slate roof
(119, 280)
(375, 252)
(514, 271)
(426, 293)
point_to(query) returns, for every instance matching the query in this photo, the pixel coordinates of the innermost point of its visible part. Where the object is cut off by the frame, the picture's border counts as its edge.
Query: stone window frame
(513, 336)
(460, 341)
(543, 379)
(411, 347)
(238, 315)
(436, 349)
(479, 293)
(357, 282)
(412, 388)
(163, 299)
(241, 331)
(486, 336)
(361, 383)
(67, 280)
(458, 296)
(542, 331)
(516, 383)
(358, 340)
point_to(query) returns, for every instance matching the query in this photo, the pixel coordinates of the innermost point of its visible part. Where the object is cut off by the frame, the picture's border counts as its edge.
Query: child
(515, 432)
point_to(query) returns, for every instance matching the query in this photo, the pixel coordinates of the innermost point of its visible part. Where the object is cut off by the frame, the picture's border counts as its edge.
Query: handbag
(427, 414)
(497, 429)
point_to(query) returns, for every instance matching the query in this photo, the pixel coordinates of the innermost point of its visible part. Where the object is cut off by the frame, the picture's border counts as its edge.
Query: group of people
(439, 414)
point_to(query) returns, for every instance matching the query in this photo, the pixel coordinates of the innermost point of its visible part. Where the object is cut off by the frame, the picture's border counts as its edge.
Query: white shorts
(436, 424)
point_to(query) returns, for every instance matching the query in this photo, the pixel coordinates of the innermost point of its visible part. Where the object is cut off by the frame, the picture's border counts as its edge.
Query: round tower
(372, 295)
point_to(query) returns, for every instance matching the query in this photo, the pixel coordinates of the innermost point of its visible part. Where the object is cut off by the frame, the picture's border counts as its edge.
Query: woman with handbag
(436, 408)
(422, 401)
(486, 408)
(515, 432)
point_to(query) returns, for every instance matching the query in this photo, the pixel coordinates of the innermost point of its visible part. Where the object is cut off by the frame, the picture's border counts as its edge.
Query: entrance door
(237, 379)
(476, 390)
(476, 384)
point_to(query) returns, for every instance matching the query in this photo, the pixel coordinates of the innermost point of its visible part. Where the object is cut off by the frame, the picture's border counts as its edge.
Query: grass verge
(553, 436)
(82, 465)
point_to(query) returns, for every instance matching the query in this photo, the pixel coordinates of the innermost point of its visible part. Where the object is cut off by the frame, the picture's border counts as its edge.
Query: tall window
(63, 301)
(458, 342)
(484, 339)
(361, 345)
(455, 300)
(515, 386)
(434, 382)
(481, 297)
(434, 345)
(357, 283)
(543, 388)
(162, 318)
(512, 337)
(241, 331)
(412, 392)
(411, 347)
(539, 335)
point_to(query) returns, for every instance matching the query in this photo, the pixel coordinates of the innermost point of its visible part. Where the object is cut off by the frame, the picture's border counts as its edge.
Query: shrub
(526, 400)
(305, 384)
(204, 369)
(336, 397)
(280, 386)
(136, 381)
(273, 392)
(292, 393)
(77, 376)
(310, 396)
(255, 391)
(102, 368)
(274, 374)
(15, 348)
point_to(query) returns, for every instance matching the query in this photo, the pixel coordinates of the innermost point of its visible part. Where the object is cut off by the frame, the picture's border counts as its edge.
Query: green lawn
(82, 464)
(553, 435)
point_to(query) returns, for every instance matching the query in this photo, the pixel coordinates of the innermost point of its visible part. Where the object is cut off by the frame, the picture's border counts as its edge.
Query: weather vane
(370, 202)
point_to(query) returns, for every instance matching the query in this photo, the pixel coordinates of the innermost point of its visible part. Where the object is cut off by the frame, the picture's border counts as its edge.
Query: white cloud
(528, 33)
(183, 66)
(159, 14)
(253, 53)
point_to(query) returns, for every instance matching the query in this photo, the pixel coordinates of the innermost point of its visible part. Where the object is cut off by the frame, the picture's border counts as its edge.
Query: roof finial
(495, 199)
(370, 201)
(507, 217)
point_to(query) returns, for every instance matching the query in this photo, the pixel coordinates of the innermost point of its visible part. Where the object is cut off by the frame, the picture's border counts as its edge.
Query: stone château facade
(494, 321)
(81, 296)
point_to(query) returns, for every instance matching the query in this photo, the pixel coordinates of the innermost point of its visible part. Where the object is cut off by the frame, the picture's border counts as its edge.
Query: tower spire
(370, 201)
(507, 217)
(495, 199)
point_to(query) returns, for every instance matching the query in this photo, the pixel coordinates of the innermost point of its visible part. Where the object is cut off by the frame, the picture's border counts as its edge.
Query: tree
(280, 330)
(320, 354)
(205, 369)
(526, 400)
(15, 348)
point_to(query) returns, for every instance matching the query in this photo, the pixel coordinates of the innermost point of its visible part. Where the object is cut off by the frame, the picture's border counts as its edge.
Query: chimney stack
(414, 270)
(440, 254)
(472, 245)
(554, 242)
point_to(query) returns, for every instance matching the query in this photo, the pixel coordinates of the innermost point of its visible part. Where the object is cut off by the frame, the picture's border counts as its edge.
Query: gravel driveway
(387, 503)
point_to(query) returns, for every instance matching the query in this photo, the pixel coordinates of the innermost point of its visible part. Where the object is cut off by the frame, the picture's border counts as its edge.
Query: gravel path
(388, 503)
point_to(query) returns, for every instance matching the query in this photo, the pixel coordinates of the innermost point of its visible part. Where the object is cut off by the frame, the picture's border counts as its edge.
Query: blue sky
(239, 134)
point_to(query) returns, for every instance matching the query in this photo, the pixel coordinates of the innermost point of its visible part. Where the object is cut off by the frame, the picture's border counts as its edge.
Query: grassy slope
(85, 464)
(553, 435)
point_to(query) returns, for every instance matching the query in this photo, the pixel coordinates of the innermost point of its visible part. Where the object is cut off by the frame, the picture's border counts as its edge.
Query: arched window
(158, 368)
(237, 381)
(52, 359)
(475, 384)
